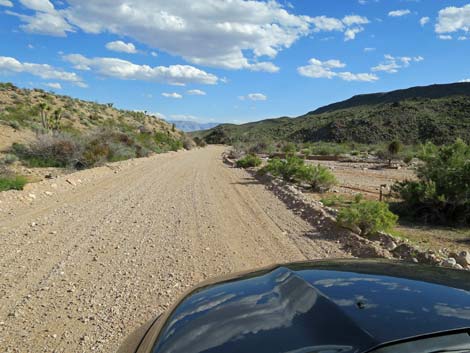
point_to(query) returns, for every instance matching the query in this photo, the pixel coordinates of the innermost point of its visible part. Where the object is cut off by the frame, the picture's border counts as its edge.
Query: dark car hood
(325, 307)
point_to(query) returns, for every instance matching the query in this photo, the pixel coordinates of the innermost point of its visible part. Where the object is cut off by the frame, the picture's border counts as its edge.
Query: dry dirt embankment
(84, 261)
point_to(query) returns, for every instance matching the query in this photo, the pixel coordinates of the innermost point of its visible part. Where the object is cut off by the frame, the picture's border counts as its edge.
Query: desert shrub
(9, 158)
(188, 143)
(442, 192)
(328, 149)
(318, 177)
(96, 152)
(5, 86)
(121, 152)
(249, 161)
(286, 168)
(407, 159)
(289, 148)
(165, 142)
(333, 200)
(260, 147)
(50, 151)
(12, 182)
(358, 198)
(14, 124)
(199, 141)
(367, 217)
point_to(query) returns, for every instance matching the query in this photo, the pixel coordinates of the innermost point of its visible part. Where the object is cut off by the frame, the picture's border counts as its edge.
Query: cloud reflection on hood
(232, 319)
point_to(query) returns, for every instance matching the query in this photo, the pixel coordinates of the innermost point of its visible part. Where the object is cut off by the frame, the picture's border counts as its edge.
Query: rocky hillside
(437, 113)
(22, 112)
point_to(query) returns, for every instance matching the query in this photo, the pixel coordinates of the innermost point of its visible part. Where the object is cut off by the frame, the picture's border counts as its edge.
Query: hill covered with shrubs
(437, 113)
(60, 131)
(43, 129)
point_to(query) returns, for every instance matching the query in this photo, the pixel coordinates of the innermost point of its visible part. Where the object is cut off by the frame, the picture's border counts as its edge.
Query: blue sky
(231, 60)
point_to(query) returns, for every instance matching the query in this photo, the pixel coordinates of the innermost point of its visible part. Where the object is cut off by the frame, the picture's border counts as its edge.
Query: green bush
(199, 142)
(289, 148)
(9, 158)
(286, 168)
(249, 161)
(367, 216)
(261, 147)
(294, 169)
(14, 182)
(407, 159)
(333, 200)
(442, 192)
(318, 177)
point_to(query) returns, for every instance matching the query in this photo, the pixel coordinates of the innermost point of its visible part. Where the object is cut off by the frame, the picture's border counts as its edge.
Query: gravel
(96, 253)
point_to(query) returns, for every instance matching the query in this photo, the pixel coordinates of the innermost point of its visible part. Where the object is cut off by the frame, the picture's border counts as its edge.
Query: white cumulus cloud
(45, 71)
(254, 97)
(173, 95)
(126, 70)
(249, 34)
(6, 3)
(445, 37)
(453, 19)
(399, 13)
(54, 85)
(121, 46)
(350, 25)
(196, 92)
(328, 69)
(46, 19)
(392, 64)
(424, 20)
(244, 31)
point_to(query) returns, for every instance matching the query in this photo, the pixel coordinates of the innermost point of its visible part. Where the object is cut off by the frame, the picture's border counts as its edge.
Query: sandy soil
(8, 136)
(87, 257)
(365, 178)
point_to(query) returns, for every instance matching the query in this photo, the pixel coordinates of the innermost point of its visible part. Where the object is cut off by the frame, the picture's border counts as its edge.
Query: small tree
(393, 149)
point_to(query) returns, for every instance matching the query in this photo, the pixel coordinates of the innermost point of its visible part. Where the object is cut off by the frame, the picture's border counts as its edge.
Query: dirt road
(87, 257)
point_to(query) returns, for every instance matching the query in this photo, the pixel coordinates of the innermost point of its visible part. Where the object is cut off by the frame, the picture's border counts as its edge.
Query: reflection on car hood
(319, 307)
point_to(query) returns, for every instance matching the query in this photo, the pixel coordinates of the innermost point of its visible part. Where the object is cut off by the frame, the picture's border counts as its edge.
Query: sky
(231, 60)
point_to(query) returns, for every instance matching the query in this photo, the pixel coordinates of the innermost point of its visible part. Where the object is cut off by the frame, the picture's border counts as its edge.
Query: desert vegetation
(433, 190)
(294, 169)
(63, 132)
(249, 161)
(367, 217)
(9, 181)
(437, 113)
(442, 192)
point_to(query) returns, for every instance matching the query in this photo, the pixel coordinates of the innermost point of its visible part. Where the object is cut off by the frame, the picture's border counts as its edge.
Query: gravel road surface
(87, 257)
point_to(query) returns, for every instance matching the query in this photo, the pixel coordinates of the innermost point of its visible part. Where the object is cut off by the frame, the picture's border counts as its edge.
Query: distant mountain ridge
(189, 126)
(432, 92)
(438, 113)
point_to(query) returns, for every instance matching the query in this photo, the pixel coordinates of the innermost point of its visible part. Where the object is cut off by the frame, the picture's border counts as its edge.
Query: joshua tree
(55, 119)
(43, 108)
